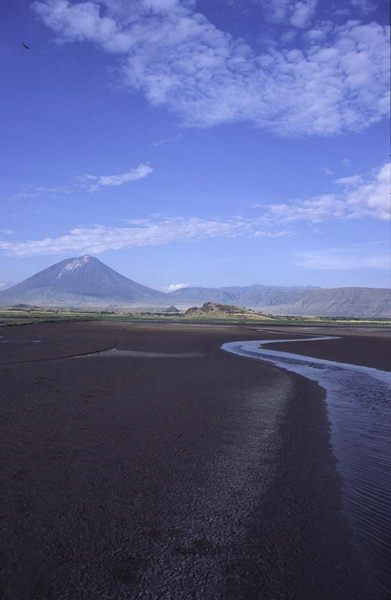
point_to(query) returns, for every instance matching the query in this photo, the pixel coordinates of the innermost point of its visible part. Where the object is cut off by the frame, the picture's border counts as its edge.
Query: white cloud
(365, 6)
(81, 183)
(327, 171)
(298, 13)
(168, 140)
(37, 191)
(95, 182)
(5, 284)
(6, 231)
(353, 180)
(363, 197)
(301, 13)
(342, 259)
(147, 232)
(174, 287)
(271, 234)
(179, 59)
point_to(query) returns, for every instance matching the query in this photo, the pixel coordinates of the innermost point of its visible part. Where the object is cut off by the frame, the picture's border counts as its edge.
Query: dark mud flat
(193, 475)
(359, 412)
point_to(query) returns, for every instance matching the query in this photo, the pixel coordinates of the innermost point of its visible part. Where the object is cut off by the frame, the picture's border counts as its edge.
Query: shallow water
(359, 408)
(116, 353)
(4, 340)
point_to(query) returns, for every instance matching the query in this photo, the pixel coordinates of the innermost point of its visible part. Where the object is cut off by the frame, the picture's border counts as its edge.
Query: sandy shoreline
(207, 476)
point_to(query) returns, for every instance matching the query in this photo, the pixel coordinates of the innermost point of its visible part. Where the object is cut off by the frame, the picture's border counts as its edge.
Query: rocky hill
(214, 310)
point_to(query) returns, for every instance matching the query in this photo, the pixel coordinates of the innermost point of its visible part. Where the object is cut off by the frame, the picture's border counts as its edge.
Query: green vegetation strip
(25, 317)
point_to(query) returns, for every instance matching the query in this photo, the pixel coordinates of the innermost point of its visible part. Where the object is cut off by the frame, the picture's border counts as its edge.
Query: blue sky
(219, 142)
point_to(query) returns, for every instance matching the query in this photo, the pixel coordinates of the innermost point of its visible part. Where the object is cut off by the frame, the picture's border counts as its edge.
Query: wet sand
(370, 347)
(179, 472)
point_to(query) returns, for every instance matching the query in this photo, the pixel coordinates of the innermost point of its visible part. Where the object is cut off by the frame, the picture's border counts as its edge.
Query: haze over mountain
(87, 282)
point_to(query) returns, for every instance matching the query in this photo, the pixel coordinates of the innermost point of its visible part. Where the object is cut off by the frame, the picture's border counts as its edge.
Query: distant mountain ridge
(87, 282)
(252, 296)
(340, 302)
(300, 301)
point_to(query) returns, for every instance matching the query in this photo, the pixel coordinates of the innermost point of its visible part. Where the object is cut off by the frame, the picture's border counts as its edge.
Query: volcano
(84, 281)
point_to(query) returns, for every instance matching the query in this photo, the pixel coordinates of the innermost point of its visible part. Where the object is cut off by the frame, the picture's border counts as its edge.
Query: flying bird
(25, 46)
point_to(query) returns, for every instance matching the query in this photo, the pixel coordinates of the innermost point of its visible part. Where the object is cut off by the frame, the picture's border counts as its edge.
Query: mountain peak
(72, 264)
(85, 258)
(81, 281)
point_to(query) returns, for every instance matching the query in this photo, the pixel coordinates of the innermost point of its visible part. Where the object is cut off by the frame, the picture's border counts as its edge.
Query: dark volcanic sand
(156, 477)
